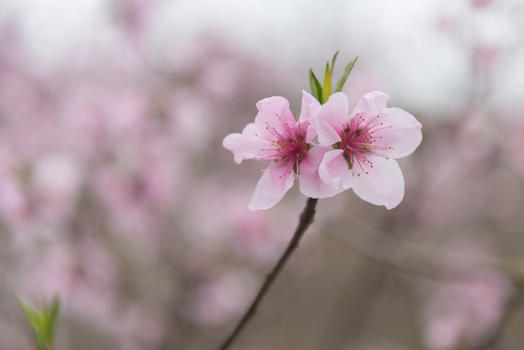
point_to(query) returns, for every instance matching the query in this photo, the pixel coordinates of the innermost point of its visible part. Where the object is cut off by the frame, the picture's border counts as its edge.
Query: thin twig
(437, 273)
(306, 218)
(414, 272)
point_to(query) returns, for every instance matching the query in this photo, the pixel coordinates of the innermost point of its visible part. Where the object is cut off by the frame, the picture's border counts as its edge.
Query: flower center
(289, 145)
(361, 138)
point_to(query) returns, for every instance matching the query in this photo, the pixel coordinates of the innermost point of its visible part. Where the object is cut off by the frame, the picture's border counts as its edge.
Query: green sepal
(52, 317)
(42, 323)
(333, 61)
(314, 84)
(326, 86)
(36, 323)
(322, 92)
(343, 78)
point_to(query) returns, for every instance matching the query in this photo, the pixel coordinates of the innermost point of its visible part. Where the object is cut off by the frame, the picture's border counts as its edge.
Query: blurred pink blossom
(136, 327)
(514, 139)
(137, 181)
(192, 118)
(221, 298)
(250, 234)
(481, 3)
(484, 58)
(13, 203)
(56, 184)
(83, 277)
(133, 14)
(98, 119)
(464, 313)
(221, 78)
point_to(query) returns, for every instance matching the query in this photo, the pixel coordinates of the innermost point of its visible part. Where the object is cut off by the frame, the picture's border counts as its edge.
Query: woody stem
(306, 218)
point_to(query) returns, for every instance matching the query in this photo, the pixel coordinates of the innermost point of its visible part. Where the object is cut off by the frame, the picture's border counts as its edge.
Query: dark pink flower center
(288, 145)
(360, 139)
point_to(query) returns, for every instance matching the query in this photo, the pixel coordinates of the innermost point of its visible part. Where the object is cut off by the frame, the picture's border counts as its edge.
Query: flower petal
(405, 133)
(383, 185)
(247, 145)
(276, 180)
(310, 107)
(311, 133)
(273, 116)
(331, 118)
(371, 104)
(306, 130)
(309, 180)
(334, 170)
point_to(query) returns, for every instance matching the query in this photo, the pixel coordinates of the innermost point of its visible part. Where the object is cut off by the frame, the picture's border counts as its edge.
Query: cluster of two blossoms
(356, 150)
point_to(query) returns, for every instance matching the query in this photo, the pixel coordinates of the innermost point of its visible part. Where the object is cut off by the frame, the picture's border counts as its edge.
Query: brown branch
(306, 218)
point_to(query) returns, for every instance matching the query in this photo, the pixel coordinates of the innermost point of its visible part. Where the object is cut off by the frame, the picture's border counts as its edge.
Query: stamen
(360, 140)
(287, 145)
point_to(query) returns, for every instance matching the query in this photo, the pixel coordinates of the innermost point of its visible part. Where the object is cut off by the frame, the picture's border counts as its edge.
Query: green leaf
(30, 314)
(326, 86)
(52, 320)
(36, 322)
(333, 61)
(42, 323)
(316, 89)
(343, 78)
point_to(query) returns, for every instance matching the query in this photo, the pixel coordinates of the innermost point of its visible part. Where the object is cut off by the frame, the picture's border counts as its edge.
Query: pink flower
(277, 136)
(464, 312)
(365, 146)
(481, 3)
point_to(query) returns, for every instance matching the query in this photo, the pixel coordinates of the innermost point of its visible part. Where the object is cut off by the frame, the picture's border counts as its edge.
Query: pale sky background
(397, 40)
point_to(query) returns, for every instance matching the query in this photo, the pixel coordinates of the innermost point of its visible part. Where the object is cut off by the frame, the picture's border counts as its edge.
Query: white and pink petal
(274, 117)
(334, 170)
(247, 145)
(275, 181)
(331, 118)
(309, 181)
(310, 107)
(404, 135)
(371, 104)
(382, 185)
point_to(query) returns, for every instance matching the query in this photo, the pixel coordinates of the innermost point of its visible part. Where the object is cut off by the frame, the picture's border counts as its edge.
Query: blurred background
(117, 196)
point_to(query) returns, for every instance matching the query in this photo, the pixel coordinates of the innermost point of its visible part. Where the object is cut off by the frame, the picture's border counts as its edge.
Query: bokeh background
(117, 196)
